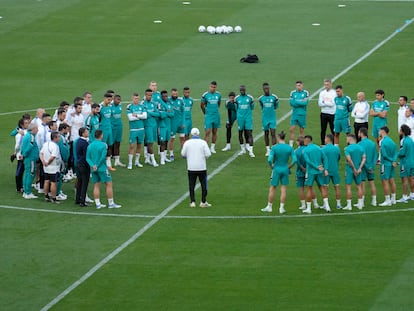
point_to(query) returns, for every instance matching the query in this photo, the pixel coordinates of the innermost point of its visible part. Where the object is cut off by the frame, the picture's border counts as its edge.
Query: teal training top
(355, 152)
(406, 153)
(333, 154)
(299, 101)
(244, 106)
(64, 148)
(388, 151)
(116, 119)
(314, 158)
(279, 156)
(371, 154)
(380, 106)
(29, 148)
(152, 114)
(188, 106)
(166, 114)
(178, 108)
(300, 161)
(96, 155)
(343, 107)
(137, 109)
(92, 124)
(269, 104)
(106, 116)
(212, 102)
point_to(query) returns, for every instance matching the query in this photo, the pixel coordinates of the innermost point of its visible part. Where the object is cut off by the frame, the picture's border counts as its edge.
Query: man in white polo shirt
(51, 160)
(196, 151)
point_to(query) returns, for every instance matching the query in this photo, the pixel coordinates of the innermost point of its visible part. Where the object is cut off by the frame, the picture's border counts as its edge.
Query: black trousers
(357, 127)
(325, 120)
(192, 179)
(19, 175)
(84, 172)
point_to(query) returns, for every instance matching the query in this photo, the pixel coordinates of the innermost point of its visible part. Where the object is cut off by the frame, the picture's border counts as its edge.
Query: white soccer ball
(237, 29)
(225, 29)
(229, 29)
(211, 30)
(201, 28)
(219, 29)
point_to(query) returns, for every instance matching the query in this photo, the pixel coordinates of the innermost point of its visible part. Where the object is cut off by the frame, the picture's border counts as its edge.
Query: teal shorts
(311, 178)
(376, 129)
(188, 126)
(279, 175)
(165, 134)
(102, 177)
(244, 124)
(150, 134)
(367, 174)
(107, 137)
(177, 128)
(350, 177)
(268, 124)
(300, 181)
(298, 120)
(136, 136)
(342, 126)
(387, 172)
(406, 172)
(334, 178)
(212, 122)
(117, 134)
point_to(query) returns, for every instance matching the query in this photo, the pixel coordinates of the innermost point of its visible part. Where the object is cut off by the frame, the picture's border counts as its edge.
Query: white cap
(195, 131)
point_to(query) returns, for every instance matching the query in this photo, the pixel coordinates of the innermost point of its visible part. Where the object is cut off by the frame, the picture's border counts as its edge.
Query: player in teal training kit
(279, 163)
(333, 154)
(387, 166)
(106, 127)
(188, 107)
(151, 127)
(95, 156)
(379, 110)
(177, 121)
(316, 169)
(355, 161)
(30, 153)
(92, 121)
(406, 156)
(166, 114)
(368, 171)
(244, 104)
(117, 129)
(269, 103)
(299, 100)
(137, 114)
(231, 118)
(343, 106)
(210, 104)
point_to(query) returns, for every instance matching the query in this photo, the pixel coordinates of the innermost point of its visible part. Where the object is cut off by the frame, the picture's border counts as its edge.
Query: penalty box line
(162, 215)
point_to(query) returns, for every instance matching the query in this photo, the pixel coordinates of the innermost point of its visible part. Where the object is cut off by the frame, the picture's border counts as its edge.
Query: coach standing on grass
(196, 152)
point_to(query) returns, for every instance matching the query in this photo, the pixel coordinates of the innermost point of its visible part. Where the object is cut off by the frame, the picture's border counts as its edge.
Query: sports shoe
(327, 209)
(148, 161)
(155, 164)
(212, 150)
(338, 206)
(129, 166)
(100, 206)
(316, 206)
(411, 197)
(172, 158)
(385, 203)
(89, 200)
(227, 148)
(63, 195)
(393, 201)
(205, 204)
(302, 207)
(347, 208)
(282, 210)
(403, 200)
(192, 204)
(138, 164)
(307, 211)
(60, 197)
(41, 191)
(267, 209)
(162, 162)
(267, 153)
(54, 201)
(120, 164)
(29, 196)
(241, 152)
(251, 154)
(358, 206)
(114, 205)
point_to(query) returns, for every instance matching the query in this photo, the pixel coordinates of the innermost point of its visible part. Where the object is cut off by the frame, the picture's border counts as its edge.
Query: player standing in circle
(333, 154)
(106, 127)
(117, 129)
(244, 104)
(406, 156)
(379, 110)
(188, 107)
(361, 113)
(279, 163)
(151, 127)
(231, 118)
(343, 106)
(269, 103)
(210, 104)
(327, 104)
(166, 114)
(30, 153)
(299, 100)
(177, 121)
(388, 164)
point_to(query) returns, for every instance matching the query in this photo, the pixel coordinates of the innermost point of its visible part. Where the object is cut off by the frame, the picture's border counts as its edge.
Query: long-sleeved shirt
(360, 112)
(196, 151)
(326, 101)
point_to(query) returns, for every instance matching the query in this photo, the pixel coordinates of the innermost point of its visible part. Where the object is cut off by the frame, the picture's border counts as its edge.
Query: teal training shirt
(116, 119)
(137, 109)
(299, 101)
(106, 116)
(279, 156)
(406, 153)
(244, 105)
(92, 124)
(177, 105)
(380, 106)
(29, 148)
(212, 103)
(166, 114)
(188, 106)
(343, 107)
(269, 104)
(388, 151)
(314, 158)
(333, 154)
(356, 152)
(300, 161)
(152, 114)
(96, 155)
(371, 153)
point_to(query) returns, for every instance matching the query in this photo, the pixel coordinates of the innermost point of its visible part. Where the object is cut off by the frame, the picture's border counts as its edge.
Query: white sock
(269, 204)
(338, 202)
(137, 156)
(267, 148)
(145, 151)
(308, 205)
(325, 202)
(361, 202)
(374, 199)
(152, 157)
(97, 202)
(108, 162)
(387, 198)
(348, 203)
(110, 201)
(393, 196)
(243, 147)
(302, 203)
(171, 153)
(315, 202)
(130, 156)
(282, 205)
(411, 194)
(213, 146)
(291, 143)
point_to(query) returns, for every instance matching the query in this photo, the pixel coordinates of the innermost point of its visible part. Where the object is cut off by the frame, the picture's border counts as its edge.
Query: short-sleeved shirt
(51, 149)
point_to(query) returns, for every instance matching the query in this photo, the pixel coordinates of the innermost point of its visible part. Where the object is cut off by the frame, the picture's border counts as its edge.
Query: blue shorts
(334, 178)
(176, 127)
(165, 134)
(117, 134)
(107, 137)
(188, 126)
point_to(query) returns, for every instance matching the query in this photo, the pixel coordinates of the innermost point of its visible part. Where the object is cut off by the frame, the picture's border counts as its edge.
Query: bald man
(360, 113)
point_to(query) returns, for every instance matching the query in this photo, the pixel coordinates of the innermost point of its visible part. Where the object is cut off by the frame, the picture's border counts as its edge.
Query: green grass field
(229, 257)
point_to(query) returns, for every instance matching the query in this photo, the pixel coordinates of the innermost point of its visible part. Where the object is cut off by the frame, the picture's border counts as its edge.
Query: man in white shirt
(87, 104)
(402, 101)
(328, 108)
(196, 151)
(360, 113)
(409, 120)
(51, 160)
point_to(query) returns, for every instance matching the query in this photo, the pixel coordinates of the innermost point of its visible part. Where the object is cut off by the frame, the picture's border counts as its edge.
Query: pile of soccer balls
(219, 29)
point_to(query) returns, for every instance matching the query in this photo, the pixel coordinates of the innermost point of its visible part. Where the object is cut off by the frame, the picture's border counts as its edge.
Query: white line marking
(172, 206)
(386, 211)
